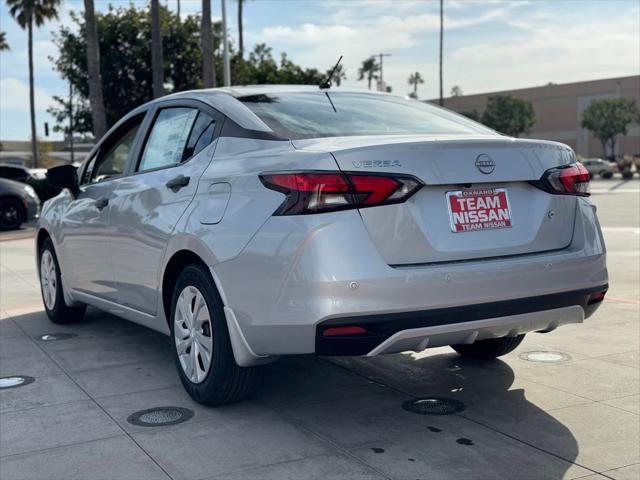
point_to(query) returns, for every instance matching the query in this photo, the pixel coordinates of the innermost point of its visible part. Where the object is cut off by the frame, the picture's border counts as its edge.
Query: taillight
(570, 179)
(316, 192)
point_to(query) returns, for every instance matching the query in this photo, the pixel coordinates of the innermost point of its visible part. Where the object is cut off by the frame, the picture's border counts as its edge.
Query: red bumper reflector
(340, 331)
(596, 297)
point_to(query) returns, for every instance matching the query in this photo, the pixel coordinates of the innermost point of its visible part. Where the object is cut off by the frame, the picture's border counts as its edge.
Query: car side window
(168, 139)
(112, 162)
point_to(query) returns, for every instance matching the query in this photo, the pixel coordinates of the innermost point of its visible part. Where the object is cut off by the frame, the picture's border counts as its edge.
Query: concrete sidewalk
(326, 418)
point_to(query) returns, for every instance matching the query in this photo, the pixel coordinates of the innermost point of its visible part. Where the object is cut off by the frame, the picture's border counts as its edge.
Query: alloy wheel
(48, 279)
(9, 217)
(193, 334)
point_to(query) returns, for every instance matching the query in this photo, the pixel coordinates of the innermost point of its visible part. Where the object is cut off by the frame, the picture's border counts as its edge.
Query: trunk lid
(420, 230)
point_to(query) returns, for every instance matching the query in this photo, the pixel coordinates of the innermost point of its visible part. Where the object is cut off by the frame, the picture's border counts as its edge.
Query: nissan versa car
(253, 222)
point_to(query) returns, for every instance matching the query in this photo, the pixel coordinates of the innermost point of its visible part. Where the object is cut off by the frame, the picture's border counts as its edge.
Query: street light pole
(225, 43)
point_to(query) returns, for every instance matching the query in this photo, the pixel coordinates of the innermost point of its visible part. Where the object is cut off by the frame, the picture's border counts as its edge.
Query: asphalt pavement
(564, 405)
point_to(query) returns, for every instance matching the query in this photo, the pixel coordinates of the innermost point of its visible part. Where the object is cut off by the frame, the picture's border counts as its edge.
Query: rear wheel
(12, 213)
(606, 174)
(201, 345)
(490, 348)
(51, 288)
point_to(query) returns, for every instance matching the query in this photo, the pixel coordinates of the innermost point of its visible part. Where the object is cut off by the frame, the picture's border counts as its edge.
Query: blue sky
(489, 45)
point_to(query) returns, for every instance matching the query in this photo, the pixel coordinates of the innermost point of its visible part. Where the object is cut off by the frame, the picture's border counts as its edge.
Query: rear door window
(168, 139)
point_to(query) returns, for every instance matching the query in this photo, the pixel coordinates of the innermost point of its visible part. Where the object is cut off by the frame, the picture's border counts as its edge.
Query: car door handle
(101, 203)
(178, 182)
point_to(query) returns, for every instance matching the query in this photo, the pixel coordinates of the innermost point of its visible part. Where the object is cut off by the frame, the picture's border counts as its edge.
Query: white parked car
(254, 222)
(598, 166)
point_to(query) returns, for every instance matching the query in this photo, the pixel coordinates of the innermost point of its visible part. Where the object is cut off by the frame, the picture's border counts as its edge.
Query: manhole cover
(52, 337)
(15, 381)
(544, 357)
(433, 406)
(160, 416)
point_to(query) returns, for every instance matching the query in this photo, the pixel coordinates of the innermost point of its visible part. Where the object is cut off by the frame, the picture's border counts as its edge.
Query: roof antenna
(327, 82)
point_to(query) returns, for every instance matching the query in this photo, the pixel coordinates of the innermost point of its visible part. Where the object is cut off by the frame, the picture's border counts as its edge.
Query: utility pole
(380, 56)
(441, 35)
(71, 121)
(225, 43)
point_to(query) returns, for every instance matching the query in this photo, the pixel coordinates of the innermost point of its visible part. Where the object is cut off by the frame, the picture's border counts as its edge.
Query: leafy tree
(608, 119)
(414, 80)
(27, 13)
(338, 75)
(456, 91)
(369, 70)
(509, 115)
(96, 99)
(472, 114)
(124, 36)
(3, 41)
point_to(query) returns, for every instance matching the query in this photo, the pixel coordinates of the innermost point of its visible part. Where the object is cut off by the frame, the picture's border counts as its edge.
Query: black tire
(60, 313)
(490, 348)
(606, 174)
(225, 381)
(12, 213)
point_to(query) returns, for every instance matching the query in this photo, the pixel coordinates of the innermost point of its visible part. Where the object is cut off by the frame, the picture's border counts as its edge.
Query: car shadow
(499, 432)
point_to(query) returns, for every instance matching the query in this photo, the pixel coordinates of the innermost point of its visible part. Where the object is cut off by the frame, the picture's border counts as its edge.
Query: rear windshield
(332, 114)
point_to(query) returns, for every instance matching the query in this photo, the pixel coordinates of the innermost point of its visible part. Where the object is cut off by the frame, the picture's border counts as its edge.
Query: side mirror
(64, 176)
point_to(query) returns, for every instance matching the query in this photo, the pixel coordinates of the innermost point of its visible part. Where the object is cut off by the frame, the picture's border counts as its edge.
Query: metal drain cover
(545, 357)
(15, 381)
(52, 337)
(160, 416)
(433, 406)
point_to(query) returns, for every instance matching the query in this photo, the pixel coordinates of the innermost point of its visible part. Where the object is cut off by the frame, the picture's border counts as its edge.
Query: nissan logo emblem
(485, 164)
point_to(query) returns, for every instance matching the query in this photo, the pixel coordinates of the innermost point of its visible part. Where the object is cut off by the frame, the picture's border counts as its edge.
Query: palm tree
(338, 75)
(98, 115)
(441, 35)
(27, 13)
(414, 80)
(157, 63)
(208, 69)
(369, 69)
(240, 28)
(3, 42)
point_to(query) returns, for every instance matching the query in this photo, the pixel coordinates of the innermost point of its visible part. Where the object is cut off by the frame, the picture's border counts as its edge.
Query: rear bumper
(302, 272)
(397, 332)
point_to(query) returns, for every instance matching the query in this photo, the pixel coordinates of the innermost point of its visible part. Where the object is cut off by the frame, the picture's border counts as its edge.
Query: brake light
(570, 179)
(316, 192)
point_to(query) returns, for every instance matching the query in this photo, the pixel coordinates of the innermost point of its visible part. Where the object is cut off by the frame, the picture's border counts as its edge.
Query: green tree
(29, 13)
(415, 79)
(509, 115)
(338, 75)
(456, 91)
(96, 98)
(472, 114)
(3, 42)
(126, 72)
(608, 119)
(369, 70)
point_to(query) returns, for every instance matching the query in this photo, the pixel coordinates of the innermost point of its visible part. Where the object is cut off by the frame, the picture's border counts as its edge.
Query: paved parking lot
(327, 418)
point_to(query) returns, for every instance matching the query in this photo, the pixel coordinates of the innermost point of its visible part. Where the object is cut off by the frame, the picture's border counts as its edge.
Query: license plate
(478, 209)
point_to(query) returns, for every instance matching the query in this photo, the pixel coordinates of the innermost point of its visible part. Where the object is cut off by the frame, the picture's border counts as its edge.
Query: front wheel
(51, 288)
(490, 348)
(201, 345)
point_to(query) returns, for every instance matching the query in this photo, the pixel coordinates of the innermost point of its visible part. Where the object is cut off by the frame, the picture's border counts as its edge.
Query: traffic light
(46, 129)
